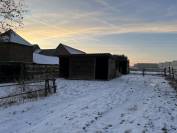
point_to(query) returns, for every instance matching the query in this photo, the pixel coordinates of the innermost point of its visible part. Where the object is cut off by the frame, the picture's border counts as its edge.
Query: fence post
(46, 87)
(165, 72)
(173, 76)
(143, 72)
(33, 71)
(169, 69)
(54, 86)
(22, 76)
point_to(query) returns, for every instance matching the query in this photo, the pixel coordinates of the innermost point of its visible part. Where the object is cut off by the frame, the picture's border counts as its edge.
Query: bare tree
(11, 14)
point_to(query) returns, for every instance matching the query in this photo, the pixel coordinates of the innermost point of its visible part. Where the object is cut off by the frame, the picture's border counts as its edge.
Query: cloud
(79, 23)
(103, 18)
(106, 5)
(41, 31)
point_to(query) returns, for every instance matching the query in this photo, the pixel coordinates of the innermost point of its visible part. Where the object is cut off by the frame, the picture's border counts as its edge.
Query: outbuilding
(61, 50)
(14, 48)
(14, 52)
(89, 66)
(122, 64)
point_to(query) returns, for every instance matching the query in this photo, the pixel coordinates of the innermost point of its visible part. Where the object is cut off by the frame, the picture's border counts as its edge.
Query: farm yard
(93, 66)
(129, 104)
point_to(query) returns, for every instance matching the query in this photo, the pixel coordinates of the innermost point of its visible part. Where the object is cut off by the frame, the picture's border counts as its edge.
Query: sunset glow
(145, 31)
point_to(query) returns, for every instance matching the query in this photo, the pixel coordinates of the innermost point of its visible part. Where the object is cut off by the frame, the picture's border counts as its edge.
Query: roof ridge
(72, 48)
(14, 37)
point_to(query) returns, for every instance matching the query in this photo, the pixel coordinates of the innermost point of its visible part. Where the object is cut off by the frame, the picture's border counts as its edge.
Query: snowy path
(130, 104)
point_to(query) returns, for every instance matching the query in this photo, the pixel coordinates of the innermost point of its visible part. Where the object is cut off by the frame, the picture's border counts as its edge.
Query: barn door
(101, 72)
(64, 67)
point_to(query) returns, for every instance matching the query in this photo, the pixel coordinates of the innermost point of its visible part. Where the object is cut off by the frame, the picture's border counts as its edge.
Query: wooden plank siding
(11, 71)
(12, 52)
(111, 69)
(93, 66)
(82, 68)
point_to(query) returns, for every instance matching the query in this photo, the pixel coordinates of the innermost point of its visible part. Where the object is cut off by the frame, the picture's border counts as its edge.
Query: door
(101, 71)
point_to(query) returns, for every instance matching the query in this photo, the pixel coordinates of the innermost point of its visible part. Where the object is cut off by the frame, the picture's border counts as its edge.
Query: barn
(122, 64)
(90, 66)
(18, 57)
(61, 50)
(14, 52)
(14, 48)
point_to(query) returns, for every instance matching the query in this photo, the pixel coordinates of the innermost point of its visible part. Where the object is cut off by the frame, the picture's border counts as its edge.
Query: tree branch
(11, 14)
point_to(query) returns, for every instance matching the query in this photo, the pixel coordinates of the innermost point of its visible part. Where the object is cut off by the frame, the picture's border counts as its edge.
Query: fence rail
(19, 94)
(31, 81)
(169, 72)
(24, 90)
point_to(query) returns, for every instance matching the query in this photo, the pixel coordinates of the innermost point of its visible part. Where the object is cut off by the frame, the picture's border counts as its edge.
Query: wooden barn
(14, 51)
(14, 48)
(89, 66)
(122, 64)
(61, 50)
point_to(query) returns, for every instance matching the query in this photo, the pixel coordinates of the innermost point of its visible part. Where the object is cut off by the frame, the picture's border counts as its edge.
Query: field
(129, 104)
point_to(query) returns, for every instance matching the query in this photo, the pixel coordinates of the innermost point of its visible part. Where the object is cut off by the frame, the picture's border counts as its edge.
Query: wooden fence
(32, 82)
(27, 91)
(169, 72)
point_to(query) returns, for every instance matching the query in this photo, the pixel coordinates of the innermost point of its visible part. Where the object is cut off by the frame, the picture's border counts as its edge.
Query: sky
(144, 30)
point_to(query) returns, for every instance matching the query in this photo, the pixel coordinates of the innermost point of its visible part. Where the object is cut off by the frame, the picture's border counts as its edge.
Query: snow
(148, 73)
(72, 50)
(43, 59)
(8, 89)
(18, 39)
(14, 37)
(129, 104)
(5, 92)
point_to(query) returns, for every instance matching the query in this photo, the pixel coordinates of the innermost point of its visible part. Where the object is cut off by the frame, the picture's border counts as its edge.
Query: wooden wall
(82, 68)
(111, 69)
(93, 66)
(10, 72)
(12, 52)
(64, 67)
(37, 71)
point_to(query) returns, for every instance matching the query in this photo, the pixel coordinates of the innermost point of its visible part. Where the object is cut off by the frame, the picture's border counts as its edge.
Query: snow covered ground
(147, 73)
(129, 104)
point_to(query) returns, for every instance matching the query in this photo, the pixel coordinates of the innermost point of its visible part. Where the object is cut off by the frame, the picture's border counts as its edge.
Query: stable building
(122, 64)
(90, 66)
(17, 54)
(61, 50)
(20, 59)
(14, 48)
(14, 51)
